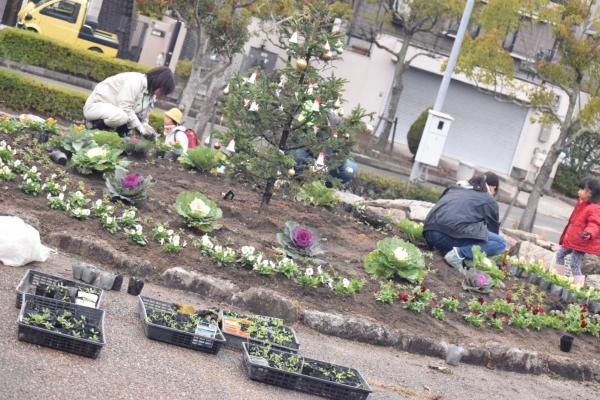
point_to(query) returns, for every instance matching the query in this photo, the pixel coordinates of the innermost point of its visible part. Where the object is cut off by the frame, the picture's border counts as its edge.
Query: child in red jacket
(582, 233)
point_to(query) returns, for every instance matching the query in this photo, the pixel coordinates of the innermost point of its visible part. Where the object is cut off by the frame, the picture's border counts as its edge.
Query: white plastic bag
(20, 243)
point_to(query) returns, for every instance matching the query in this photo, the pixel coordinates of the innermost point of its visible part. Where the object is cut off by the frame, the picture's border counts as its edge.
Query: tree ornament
(226, 90)
(334, 134)
(252, 78)
(294, 38)
(301, 64)
(246, 102)
(328, 55)
(337, 103)
(346, 137)
(315, 107)
(282, 81)
(207, 141)
(217, 146)
(253, 106)
(231, 146)
(339, 46)
(320, 162)
(340, 111)
(291, 172)
(326, 46)
(369, 128)
(350, 170)
(311, 88)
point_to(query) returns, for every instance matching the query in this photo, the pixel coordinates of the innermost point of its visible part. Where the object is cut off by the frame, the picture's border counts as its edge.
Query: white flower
(109, 220)
(162, 241)
(309, 271)
(247, 251)
(61, 196)
(199, 207)
(319, 270)
(99, 203)
(345, 283)
(170, 232)
(138, 228)
(33, 169)
(330, 283)
(401, 254)
(85, 212)
(17, 163)
(78, 195)
(205, 242)
(160, 229)
(96, 152)
(53, 176)
(175, 240)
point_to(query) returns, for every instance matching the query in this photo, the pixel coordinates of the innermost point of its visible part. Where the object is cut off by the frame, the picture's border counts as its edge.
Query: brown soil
(347, 243)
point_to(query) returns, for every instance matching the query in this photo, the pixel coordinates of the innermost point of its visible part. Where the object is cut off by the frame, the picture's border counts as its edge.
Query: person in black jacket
(463, 217)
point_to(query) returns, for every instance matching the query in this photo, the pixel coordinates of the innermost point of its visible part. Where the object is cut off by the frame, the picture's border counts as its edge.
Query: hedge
(374, 186)
(33, 49)
(20, 92)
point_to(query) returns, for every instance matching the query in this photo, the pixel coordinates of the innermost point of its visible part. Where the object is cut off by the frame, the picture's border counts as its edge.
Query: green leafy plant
(198, 211)
(204, 159)
(286, 267)
(308, 278)
(438, 313)
(395, 257)
(348, 287)
(57, 202)
(482, 263)
(450, 303)
(413, 230)
(386, 293)
(136, 234)
(108, 139)
(419, 300)
(316, 194)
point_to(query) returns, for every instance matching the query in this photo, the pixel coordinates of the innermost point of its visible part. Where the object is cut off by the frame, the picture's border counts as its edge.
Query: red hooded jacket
(585, 218)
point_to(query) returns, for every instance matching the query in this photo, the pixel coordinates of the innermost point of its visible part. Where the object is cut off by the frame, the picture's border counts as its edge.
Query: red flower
(376, 290)
(455, 296)
(415, 297)
(583, 324)
(536, 311)
(583, 307)
(404, 297)
(505, 318)
(481, 300)
(423, 288)
(509, 299)
(528, 307)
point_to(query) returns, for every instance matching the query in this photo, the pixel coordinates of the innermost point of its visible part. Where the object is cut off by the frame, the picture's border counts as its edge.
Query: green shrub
(415, 132)
(374, 186)
(183, 70)
(110, 139)
(316, 194)
(33, 49)
(202, 158)
(156, 120)
(21, 92)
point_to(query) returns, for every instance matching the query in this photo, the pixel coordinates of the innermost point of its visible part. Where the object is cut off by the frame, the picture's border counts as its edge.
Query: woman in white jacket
(123, 101)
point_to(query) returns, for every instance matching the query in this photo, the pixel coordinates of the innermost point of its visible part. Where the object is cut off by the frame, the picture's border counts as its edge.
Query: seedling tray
(297, 381)
(34, 278)
(235, 340)
(176, 336)
(59, 340)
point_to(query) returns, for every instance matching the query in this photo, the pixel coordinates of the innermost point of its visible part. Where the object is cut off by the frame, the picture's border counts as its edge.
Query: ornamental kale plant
(395, 257)
(204, 159)
(316, 194)
(412, 229)
(300, 242)
(101, 159)
(198, 211)
(127, 187)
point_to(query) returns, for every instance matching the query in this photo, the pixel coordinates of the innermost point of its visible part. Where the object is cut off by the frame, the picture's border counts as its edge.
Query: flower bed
(46, 285)
(197, 330)
(63, 326)
(239, 328)
(291, 371)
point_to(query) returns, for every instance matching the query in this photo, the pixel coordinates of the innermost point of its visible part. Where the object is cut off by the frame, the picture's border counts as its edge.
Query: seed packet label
(87, 296)
(85, 302)
(206, 330)
(259, 361)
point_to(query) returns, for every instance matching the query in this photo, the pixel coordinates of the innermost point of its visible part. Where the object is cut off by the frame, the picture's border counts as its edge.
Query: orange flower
(51, 121)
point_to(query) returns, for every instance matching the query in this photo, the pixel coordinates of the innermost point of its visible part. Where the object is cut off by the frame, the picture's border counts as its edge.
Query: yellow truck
(65, 20)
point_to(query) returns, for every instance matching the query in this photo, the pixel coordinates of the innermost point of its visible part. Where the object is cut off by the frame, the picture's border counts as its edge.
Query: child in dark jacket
(582, 233)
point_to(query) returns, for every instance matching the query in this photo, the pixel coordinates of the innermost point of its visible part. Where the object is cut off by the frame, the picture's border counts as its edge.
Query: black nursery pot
(118, 282)
(566, 342)
(135, 286)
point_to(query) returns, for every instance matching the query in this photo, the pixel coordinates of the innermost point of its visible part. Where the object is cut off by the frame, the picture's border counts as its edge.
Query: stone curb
(269, 302)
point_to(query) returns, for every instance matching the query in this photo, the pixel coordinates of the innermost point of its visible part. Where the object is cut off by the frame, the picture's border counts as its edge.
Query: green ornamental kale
(393, 257)
(198, 211)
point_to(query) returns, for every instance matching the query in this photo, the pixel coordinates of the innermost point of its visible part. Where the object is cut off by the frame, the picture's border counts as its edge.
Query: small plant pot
(454, 354)
(567, 296)
(533, 279)
(58, 157)
(105, 280)
(118, 283)
(556, 290)
(135, 286)
(89, 273)
(78, 269)
(566, 342)
(515, 270)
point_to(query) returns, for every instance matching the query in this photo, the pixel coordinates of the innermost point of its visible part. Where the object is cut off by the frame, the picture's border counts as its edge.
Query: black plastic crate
(34, 278)
(304, 383)
(176, 336)
(59, 340)
(235, 341)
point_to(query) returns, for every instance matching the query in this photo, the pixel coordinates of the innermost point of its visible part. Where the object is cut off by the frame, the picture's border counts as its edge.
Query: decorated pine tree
(297, 109)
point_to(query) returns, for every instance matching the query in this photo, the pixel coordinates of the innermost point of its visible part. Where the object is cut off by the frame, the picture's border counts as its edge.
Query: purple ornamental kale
(302, 237)
(131, 181)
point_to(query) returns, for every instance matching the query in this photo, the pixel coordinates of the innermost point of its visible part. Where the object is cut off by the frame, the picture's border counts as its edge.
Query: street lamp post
(438, 123)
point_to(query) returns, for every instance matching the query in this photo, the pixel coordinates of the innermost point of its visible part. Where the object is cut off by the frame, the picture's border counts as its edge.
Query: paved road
(134, 367)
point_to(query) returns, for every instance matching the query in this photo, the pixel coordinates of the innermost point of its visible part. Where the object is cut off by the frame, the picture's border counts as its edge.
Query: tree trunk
(268, 193)
(528, 218)
(397, 87)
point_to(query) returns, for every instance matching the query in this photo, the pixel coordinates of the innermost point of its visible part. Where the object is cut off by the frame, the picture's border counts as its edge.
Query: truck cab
(65, 20)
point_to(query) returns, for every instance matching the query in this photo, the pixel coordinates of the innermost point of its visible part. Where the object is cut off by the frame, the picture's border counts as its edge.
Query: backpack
(192, 138)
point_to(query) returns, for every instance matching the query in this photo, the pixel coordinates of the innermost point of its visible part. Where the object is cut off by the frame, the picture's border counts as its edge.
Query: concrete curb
(361, 329)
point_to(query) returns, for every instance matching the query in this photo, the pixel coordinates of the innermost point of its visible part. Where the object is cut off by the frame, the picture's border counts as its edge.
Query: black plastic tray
(304, 383)
(176, 336)
(33, 278)
(59, 340)
(235, 341)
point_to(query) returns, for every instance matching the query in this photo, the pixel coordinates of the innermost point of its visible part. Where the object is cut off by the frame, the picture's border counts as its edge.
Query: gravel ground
(133, 367)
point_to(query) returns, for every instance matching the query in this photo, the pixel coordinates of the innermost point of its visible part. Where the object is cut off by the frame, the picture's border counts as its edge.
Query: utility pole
(438, 123)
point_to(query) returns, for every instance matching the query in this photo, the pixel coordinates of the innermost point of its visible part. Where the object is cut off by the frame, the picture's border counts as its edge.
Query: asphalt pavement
(133, 367)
